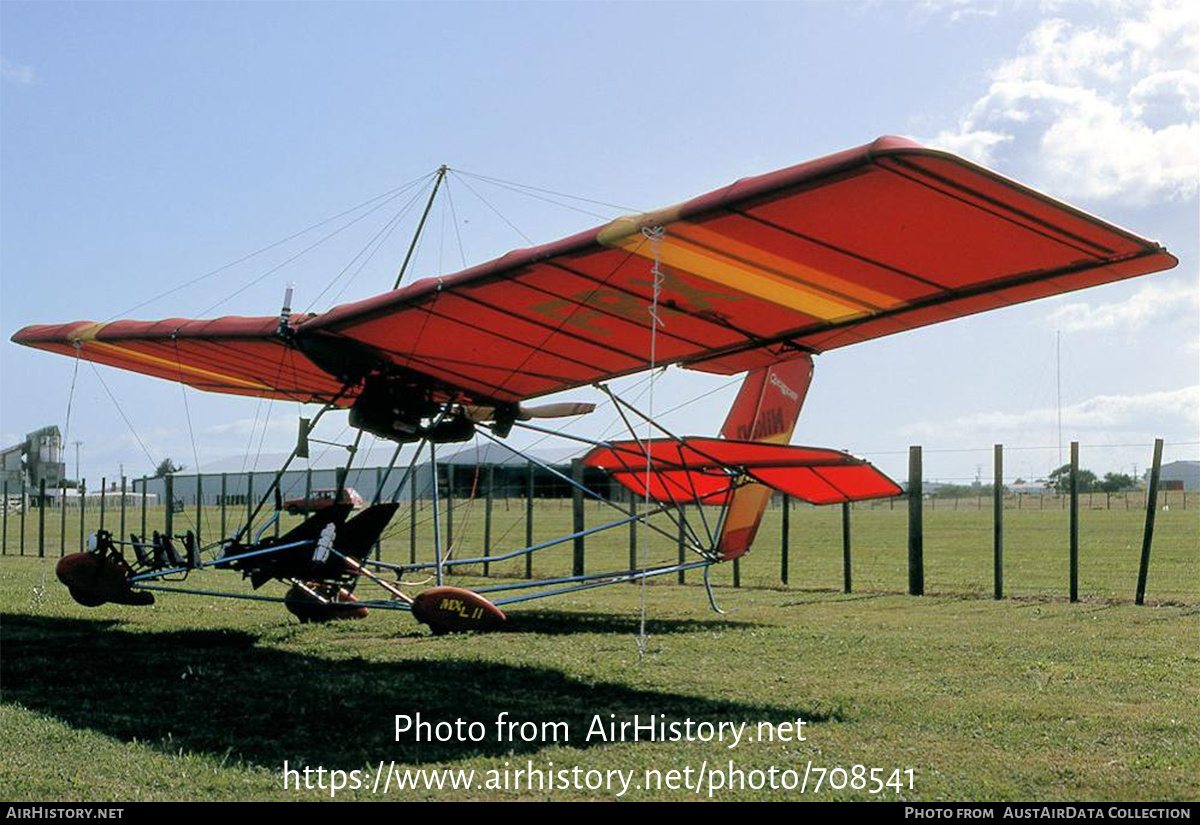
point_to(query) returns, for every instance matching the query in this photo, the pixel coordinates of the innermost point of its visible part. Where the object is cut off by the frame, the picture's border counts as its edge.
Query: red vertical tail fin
(766, 409)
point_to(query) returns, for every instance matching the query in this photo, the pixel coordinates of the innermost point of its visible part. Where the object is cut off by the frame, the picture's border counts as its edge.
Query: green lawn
(1027, 698)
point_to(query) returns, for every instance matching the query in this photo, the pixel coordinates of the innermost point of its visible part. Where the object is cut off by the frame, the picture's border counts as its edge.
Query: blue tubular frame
(674, 503)
(627, 577)
(437, 520)
(533, 590)
(693, 545)
(191, 591)
(512, 553)
(258, 536)
(158, 574)
(620, 575)
(588, 582)
(682, 522)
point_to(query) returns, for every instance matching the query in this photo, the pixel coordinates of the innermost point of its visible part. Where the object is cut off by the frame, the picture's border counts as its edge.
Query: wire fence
(1036, 543)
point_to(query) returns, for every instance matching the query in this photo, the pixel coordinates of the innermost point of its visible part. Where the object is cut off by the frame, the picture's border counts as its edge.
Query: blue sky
(144, 144)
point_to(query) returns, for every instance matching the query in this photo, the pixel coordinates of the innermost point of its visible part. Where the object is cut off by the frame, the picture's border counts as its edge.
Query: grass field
(1029, 698)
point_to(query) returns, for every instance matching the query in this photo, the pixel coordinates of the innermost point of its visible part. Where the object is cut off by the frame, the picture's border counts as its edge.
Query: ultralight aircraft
(757, 277)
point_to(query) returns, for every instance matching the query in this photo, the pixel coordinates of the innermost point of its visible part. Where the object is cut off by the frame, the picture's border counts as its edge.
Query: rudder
(766, 409)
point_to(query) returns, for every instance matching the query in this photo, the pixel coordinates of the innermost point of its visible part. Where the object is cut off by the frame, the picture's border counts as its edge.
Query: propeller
(505, 416)
(562, 409)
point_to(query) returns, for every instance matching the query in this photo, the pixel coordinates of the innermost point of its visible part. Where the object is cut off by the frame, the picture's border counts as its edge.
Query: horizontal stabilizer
(707, 470)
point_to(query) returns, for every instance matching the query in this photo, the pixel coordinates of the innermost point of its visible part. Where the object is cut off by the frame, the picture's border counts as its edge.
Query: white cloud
(1101, 111)
(18, 72)
(1102, 419)
(1152, 304)
(979, 145)
(962, 9)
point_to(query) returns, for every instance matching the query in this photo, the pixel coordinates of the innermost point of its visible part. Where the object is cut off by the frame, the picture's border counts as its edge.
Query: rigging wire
(121, 412)
(523, 186)
(454, 216)
(654, 235)
(497, 212)
(39, 590)
(379, 239)
(191, 433)
(261, 250)
(133, 431)
(364, 257)
(614, 424)
(253, 430)
(301, 253)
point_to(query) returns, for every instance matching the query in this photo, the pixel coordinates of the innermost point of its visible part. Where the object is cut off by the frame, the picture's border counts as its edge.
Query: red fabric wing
(241, 356)
(867, 242)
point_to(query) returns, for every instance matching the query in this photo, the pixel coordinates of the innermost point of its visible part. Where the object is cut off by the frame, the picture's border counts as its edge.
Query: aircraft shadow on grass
(219, 692)
(567, 622)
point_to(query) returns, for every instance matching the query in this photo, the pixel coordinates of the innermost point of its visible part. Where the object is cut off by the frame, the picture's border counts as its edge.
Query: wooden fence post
(633, 531)
(679, 542)
(412, 517)
(199, 505)
(103, 498)
(41, 518)
(121, 517)
(62, 518)
(378, 497)
(1148, 533)
(916, 535)
(224, 503)
(784, 532)
(487, 517)
(846, 583)
(529, 479)
(998, 522)
(449, 509)
(143, 533)
(1074, 521)
(4, 540)
(250, 506)
(82, 508)
(169, 517)
(577, 566)
(24, 507)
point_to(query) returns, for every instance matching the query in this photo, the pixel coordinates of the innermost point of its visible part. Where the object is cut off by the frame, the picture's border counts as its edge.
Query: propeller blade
(562, 409)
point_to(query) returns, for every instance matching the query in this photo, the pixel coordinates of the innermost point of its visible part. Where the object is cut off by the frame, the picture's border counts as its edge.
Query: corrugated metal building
(468, 470)
(1179, 475)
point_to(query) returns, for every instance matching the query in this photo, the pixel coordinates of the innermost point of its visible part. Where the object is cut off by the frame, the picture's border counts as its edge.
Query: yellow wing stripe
(722, 260)
(185, 368)
(740, 277)
(780, 268)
